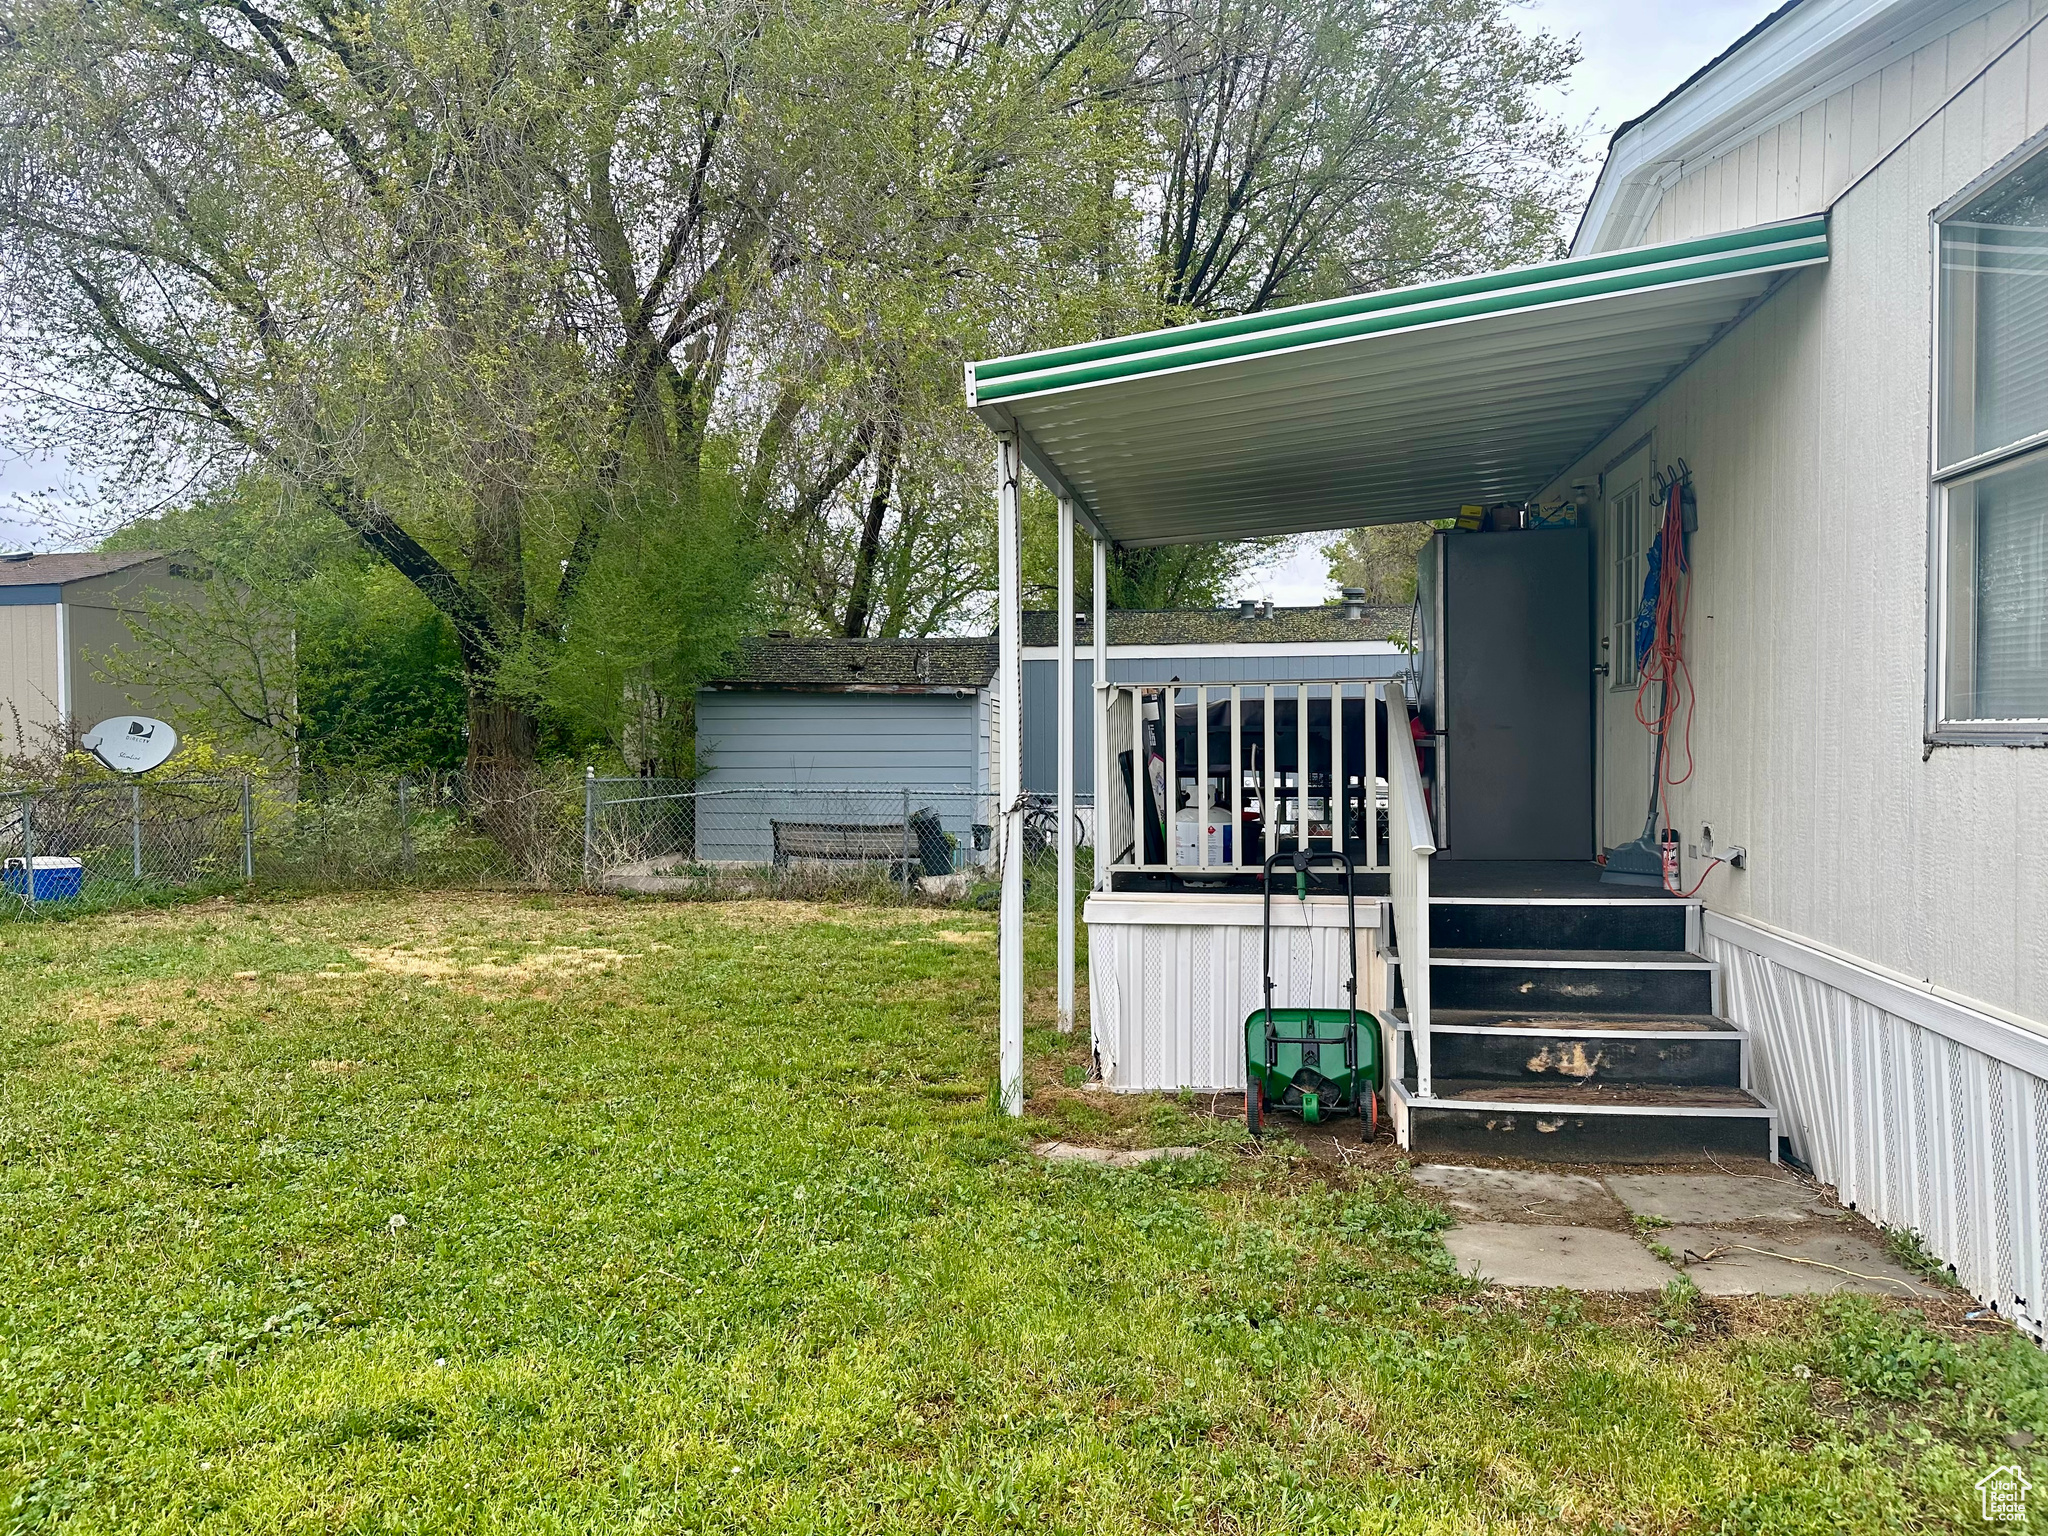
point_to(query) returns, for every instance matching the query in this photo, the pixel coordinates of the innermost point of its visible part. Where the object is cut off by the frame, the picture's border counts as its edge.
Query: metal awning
(1380, 408)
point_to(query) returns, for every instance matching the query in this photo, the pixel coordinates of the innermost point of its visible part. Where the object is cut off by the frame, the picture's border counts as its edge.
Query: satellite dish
(131, 743)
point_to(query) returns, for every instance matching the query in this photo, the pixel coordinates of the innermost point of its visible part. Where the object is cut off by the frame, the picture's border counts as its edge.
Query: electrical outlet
(1737, 856)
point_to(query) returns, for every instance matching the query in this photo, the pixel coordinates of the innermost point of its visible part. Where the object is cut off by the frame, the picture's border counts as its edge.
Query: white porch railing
(1410, 843)
(1254, 769)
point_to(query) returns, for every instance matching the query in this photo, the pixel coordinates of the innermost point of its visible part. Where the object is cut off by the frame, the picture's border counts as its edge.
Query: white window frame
(1944, 480)
(1623, 594)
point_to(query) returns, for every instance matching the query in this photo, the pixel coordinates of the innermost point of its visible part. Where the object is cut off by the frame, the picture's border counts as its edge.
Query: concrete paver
(1109, 1157)
(1715, 1199)
(1511, 1194)
(1581, 1258)
(1729, 1261)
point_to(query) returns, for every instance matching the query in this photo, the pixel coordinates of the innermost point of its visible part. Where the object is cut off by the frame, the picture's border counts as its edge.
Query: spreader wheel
(1369, 1114)
(1254, 1107)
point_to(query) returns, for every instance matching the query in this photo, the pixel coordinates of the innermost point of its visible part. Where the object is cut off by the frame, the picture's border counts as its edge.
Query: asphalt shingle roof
(1224, 626)
(903, 664)
(40, 570)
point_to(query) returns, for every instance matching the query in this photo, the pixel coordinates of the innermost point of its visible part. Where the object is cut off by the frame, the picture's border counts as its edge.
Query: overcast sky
(1635, 51)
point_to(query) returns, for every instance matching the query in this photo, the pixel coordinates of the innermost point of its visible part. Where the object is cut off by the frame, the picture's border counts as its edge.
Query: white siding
(1807, 433)
(1922, 1115)
(28, 674)
(1802, 163)
(1171, 980)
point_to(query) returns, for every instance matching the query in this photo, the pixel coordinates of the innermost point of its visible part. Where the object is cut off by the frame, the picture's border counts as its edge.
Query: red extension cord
(1664, 664)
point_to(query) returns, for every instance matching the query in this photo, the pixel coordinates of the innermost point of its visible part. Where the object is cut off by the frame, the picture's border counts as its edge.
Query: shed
(1250, 642)
(58, 613)
(846, 733)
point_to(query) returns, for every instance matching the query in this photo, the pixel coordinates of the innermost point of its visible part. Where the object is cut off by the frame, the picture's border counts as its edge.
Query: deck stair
(1575, 1029)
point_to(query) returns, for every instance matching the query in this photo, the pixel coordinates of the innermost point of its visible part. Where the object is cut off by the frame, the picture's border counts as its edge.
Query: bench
(846, 842)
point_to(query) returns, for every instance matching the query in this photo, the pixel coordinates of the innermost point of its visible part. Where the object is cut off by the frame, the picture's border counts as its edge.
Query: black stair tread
(1609, 897)
(1552, 1094)
(1567, 1023)
(1648, 959)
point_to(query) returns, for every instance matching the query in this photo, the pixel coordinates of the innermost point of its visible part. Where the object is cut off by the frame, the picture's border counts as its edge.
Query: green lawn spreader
(1322, 1063)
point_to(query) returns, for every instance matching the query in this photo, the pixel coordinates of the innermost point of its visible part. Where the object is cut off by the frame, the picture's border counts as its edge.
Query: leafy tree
(1169, 576)
(464, 276)
(301, 646)
(972, 241)
(1313, 148)
(1212, 157)
(1379, 561)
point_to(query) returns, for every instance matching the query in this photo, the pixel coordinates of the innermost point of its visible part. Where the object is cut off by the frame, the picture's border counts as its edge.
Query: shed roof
(1385, 407)
(948, 665)
(1225, 626)
(55, 570)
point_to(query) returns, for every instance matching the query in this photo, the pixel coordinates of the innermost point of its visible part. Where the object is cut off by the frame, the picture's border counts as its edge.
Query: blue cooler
(56, 879)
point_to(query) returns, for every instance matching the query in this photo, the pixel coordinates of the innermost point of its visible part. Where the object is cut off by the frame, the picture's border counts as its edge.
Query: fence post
(906, 842)
(135, 830)
(405, 824)
(28, 845)
(589, 822)
(248, 831)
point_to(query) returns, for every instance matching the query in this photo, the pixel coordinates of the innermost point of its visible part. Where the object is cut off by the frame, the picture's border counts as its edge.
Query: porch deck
(1450, 879)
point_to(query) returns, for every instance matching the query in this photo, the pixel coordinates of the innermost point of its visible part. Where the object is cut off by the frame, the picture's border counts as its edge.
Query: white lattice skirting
(1921, 1111)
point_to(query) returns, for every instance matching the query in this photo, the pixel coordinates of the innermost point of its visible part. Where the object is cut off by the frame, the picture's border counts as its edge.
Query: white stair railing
(1411, 842)
(1263, 762)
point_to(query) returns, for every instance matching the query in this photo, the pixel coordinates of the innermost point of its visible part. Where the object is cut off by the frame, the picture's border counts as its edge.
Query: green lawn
(481, 1213)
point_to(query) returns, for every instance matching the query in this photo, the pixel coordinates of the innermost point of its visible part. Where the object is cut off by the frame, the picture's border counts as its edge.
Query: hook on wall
(1678, 474)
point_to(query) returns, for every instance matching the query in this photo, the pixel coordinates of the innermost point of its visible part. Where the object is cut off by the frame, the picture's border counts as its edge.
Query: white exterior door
(1624, 747)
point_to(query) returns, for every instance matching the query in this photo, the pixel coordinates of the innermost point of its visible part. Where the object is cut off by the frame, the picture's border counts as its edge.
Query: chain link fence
(96, 843)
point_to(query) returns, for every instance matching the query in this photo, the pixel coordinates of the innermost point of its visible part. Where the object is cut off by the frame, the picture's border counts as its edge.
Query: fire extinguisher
(1669, 848)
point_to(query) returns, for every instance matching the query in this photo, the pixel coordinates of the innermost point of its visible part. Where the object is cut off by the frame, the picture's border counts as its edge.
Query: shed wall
(866, 747)
(28, 673)
(95, 632)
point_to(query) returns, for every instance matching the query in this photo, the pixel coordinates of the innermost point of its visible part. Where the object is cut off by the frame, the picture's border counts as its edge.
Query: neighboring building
(1249, 643)
(841, 732)
(1814, 280)
(58, 615)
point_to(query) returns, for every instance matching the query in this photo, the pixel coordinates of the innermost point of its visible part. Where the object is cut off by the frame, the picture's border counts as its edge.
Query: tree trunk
(860, 598)
(501, 738)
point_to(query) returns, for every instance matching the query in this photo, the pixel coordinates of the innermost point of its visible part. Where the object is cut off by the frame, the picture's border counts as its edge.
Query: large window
(1991, 462)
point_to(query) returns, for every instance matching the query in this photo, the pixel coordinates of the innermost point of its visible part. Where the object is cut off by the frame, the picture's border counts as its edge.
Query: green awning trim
(1796, 242)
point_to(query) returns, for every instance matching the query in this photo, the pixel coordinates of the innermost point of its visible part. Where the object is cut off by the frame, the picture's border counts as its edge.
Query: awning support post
(1065, 737)
(1099, 639)
(1010, 778)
